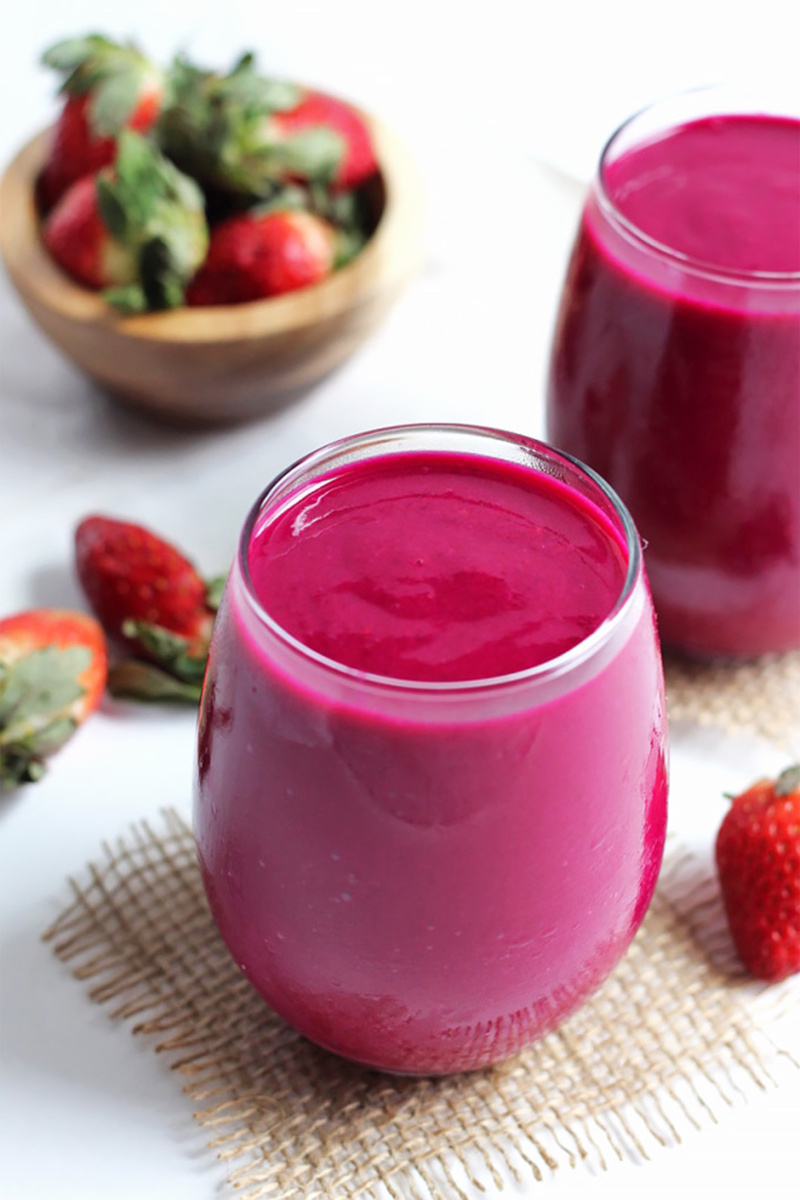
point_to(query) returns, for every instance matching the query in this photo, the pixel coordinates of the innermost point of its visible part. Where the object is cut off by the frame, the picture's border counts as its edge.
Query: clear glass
(422, 876)
(678, 380)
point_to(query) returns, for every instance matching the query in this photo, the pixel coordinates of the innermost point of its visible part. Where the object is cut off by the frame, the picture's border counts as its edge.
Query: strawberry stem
(134, 680)
(173, 653)
(18, 766)
(788, 781)
(214, 590)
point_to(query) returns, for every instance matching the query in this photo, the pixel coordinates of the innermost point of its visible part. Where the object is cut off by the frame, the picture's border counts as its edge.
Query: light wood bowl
(231, 362)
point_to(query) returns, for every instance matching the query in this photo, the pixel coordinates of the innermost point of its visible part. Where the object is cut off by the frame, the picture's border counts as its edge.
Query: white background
(506, 105)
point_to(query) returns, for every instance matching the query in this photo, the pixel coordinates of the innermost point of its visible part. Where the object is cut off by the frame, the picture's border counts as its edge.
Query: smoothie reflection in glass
(431, 794)
(676, 361)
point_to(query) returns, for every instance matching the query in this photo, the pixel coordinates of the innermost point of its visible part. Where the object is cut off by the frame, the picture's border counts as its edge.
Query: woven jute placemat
(671, 1039)
(760, 698)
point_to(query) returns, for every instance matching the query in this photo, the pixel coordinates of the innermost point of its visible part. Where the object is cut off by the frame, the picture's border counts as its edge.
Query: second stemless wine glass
(675, 370)
(424, 876)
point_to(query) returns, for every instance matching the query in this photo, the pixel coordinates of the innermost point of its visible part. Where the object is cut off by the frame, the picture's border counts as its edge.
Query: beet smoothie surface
(675, 370)
(431, 793)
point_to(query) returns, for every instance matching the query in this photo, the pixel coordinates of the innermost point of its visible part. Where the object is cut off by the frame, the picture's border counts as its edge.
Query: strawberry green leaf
(97, 65)
(285, 199)
(245, 86)
(36, 692)
(348, 245)
(39, 686)
(133, 680)
(214, 589)
(313, 153)
(217, 128)
(279, 96)
(159, 199)
(17, 766)
(162, 279)
(138, 178)
(46, 741)
(171, 651)
(184, 122)
(788, 781)
(112, 209)
(128, 299)
(245, 62)
(344, 208)
(70, 53)
(112, 102)
(153, 209)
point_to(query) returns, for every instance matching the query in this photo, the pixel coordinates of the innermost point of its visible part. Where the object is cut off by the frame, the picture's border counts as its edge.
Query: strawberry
(79, 241)
(150, 599)
(248, 134)
(256, 255)
(137, 230)
(758, 862)
(108, 87)
(53, 667)
(317, 110)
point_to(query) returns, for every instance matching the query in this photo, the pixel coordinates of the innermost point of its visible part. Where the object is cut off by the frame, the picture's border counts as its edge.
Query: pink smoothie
(676, 372)
(419, 865)
(433, 567)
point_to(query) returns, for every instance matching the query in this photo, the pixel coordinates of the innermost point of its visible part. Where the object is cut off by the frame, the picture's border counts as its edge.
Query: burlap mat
(760, 698)
(672, 1038)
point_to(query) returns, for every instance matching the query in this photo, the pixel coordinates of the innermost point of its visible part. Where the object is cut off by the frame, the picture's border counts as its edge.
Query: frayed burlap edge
(672, 1038)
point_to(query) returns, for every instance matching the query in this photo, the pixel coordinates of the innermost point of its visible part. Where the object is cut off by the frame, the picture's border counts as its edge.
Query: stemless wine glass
(424, 876)
(675, 370)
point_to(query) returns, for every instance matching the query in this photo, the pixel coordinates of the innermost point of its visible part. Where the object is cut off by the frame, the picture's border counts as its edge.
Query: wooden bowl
(230, 362)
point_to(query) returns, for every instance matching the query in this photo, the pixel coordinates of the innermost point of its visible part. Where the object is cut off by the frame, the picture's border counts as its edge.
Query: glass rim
(634, 234)
(552, 668)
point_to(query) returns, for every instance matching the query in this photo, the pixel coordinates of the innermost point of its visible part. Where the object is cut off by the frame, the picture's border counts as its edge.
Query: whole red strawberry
(249, 134)
(79, 241)
(150, 599)
(108, 87)
(319, 111)
(137, 230)
(257, 255)
(131, 574)
(53, 668)
(758, 861)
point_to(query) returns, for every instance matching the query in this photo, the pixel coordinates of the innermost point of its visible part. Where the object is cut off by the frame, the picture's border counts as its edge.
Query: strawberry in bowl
(107, 87)
(315, 110)
(262, 254)
(249, 134)
(136, 230)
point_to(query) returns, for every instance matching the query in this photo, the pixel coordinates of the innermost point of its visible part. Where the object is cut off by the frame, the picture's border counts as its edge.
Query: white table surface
(504, 112)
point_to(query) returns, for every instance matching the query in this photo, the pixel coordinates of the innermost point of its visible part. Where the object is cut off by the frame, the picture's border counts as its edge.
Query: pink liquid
(681, 385)
(373, 568)
(426, 880)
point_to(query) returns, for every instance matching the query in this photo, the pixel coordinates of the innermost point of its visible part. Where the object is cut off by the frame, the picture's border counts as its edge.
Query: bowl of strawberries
(206, 245)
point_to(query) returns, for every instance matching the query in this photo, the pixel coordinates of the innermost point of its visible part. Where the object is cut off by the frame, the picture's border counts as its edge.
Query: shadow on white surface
(108, 1096)
(54, 586)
